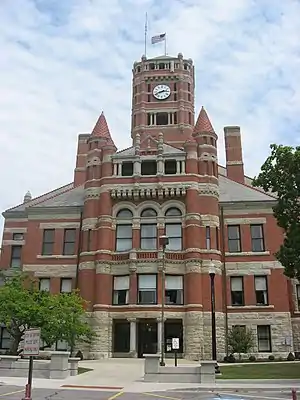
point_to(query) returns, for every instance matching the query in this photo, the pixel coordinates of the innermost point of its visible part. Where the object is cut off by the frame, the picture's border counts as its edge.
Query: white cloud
(62, 63)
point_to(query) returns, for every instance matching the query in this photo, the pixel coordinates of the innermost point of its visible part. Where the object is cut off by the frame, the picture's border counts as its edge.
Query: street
(16, 393)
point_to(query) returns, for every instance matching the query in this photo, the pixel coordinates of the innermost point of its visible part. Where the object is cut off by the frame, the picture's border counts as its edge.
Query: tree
(60, 316)
(280, 175)
(240, 340)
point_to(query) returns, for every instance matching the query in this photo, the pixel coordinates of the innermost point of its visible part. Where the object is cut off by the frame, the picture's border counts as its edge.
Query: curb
(239, 389)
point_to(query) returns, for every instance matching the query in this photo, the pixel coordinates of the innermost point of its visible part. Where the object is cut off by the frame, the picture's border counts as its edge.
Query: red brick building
(100, 232)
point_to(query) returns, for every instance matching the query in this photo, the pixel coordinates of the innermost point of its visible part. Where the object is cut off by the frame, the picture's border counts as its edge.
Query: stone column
(133, 351)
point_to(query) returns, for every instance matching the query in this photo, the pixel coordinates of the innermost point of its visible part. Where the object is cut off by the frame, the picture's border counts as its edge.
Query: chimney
(234, 156)
(82, 149)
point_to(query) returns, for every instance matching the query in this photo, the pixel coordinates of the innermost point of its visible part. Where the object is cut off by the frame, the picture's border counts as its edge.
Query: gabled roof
(167, 149)
(70, 196)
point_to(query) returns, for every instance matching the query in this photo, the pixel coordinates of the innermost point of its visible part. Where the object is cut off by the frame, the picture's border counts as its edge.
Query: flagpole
(146, 30)
(165, 44)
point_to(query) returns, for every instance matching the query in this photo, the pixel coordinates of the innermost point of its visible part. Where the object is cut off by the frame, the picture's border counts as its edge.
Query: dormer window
(127, 168)
(149, 167)
(170, 167)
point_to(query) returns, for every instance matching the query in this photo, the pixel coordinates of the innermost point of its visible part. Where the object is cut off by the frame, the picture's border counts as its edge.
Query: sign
(32, 340)
(175, 343)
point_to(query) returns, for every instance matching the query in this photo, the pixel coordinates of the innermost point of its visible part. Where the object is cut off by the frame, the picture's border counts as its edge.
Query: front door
(147, 337)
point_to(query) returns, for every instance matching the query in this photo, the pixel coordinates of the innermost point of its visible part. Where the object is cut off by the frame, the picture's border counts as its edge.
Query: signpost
(175, 347)
(31, 348)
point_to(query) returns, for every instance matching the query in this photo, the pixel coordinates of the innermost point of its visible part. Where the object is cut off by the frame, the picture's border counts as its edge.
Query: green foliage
(240, 340)
(280, 174)
(60, 316)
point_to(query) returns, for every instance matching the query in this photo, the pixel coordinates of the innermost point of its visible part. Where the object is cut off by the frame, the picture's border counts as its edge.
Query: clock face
(161, 92)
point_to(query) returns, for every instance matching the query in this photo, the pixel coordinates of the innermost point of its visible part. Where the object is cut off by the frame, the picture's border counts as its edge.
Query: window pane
(148, 244)
(234, 246)
(173, 230)
(237, 298)
(174, 296)
(70, 235)
(45, 284)
(233, 232)
(173, 212)
(264, 338)
(66, 285)
(260, 283)
(47, 249)
(236, 283)
(174, 244)
(148, 231)
(149, 212)
(124, 231)
(126, 214)
(48, 235)
(174, 282)
(147, 297)
(257, 245)
(121, 297)
(123, 244)
(69, 248)
(147, 281)
(121, 282)
(16, 251)
(256, 231)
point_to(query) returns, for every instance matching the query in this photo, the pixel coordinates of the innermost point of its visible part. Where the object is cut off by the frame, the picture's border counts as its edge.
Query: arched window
(124, 230)
(173, 228)
(148, 229)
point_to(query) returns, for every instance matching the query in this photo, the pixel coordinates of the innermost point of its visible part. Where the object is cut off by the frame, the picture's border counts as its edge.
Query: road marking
(10, 393)
(159, 396)
(117, 395)
(249, 396)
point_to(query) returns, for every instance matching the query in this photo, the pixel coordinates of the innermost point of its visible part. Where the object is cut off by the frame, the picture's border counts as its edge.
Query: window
(189, 87)
(298, 296)
(147, 289)
(174, 289)
(124, 230)
(149, 230)
(264, 338)
(170, 167)
(121, 290)
(174, 233)
(69, 242)
(175, 87)
(217, 239)
(16, 253)
(237, 291)
(5, 338)
(234, 238)
(149, 168)
(18, 236)
(207, 236)
(88, 239)
(162, 118)
(257, 238)
(127, 168)
(66, 285)
(149, 87)
(44, 284)
(261, 290)
(48, 242)
(190, 118)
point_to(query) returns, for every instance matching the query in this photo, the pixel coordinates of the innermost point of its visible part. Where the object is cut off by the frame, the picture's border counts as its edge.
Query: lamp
(163, 241)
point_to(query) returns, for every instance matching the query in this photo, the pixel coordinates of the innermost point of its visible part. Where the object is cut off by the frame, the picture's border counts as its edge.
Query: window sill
(297, 313)
(250, 307)
(57, 256)
(247, 253)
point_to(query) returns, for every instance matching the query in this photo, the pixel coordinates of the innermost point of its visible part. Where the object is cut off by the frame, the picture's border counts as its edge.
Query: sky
(63, 62)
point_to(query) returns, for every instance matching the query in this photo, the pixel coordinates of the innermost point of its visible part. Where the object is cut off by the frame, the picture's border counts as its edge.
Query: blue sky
(63, 62)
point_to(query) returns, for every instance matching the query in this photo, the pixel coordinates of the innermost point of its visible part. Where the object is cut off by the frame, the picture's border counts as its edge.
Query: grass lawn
(82, 370)
(286, 370)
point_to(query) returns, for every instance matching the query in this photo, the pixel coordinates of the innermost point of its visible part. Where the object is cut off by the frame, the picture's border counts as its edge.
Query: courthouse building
(101, 232)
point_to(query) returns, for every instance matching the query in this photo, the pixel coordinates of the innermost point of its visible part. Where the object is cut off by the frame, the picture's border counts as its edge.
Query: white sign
(32, 342)
(175, 343)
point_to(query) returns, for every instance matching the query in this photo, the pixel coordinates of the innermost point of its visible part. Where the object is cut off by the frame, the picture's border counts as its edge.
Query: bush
(230, 358)
(252, 358)
(290, 357)
(240, 340)
(79, 355)
(271, 357)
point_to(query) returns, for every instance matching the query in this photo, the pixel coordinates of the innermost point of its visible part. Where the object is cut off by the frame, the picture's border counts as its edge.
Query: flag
(158, 38)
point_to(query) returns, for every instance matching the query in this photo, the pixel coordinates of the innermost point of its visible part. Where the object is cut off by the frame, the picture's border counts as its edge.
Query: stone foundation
(197, 331)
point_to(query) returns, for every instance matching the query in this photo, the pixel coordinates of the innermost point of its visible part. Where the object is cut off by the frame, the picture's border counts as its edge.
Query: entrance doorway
(147, 337)
(173, 329)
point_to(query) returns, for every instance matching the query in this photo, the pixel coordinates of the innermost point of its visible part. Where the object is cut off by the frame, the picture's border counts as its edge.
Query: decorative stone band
(16, 230)
(49, 271)
(248, 253)
(13, 242)
(146, 192)
(234, 163)
(207, 189)
(56, 256)
(89, 223)
(59, 225)
(254, 306)
(252, 267)
(245, 221)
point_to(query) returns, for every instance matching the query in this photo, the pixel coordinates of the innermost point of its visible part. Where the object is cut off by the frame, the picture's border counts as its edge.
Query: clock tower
(163, 98)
